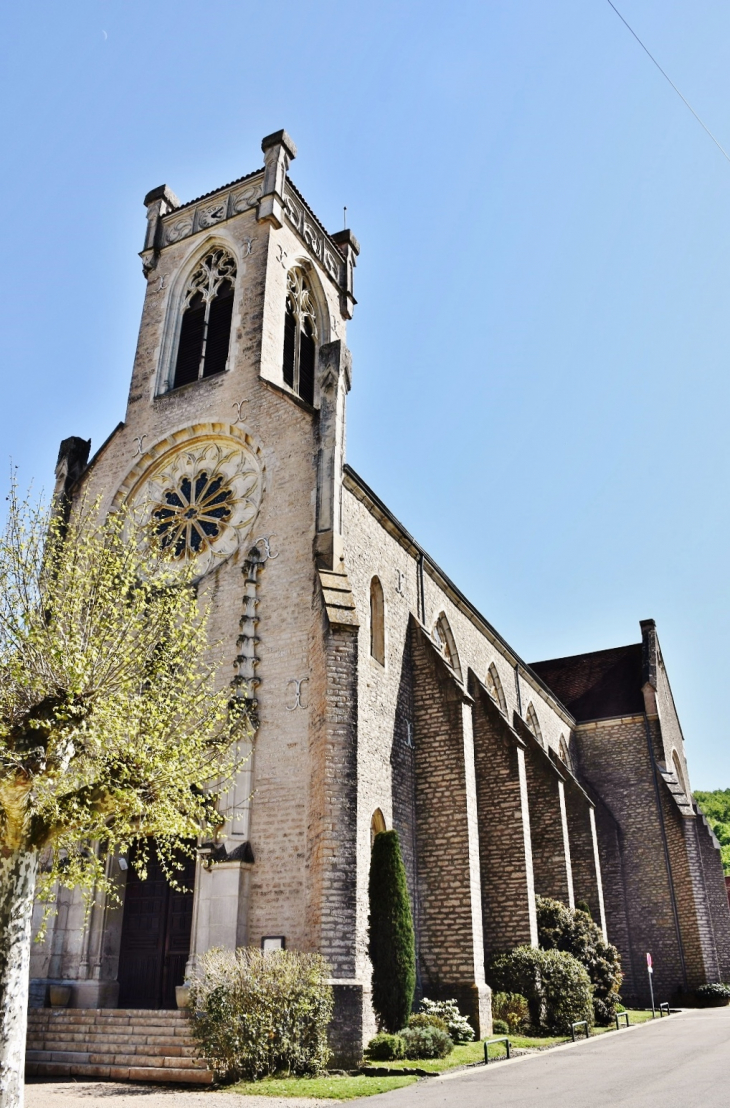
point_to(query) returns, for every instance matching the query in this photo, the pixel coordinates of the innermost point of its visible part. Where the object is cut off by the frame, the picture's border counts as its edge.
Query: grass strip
(329, 1088)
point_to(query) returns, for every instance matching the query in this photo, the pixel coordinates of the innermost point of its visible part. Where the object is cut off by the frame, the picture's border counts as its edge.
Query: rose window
(193, 514)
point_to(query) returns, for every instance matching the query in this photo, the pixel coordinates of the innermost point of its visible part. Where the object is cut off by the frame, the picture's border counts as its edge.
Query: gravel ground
(110, 1094)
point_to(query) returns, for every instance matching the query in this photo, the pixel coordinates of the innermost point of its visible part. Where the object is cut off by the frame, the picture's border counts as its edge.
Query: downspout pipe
(665, 845)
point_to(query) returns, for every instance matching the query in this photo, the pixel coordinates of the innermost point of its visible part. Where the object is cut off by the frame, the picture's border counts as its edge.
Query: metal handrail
(664, 1005)
(619, 1015)
(489, 1043)
(580, 1023)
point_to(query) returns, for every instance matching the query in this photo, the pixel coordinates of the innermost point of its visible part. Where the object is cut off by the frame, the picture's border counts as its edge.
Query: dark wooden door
(155, 936)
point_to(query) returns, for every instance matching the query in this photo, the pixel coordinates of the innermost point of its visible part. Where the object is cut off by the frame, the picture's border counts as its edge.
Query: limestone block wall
(584, 861)
(508, 887)
(551, 855)
(616, 763)
(714, 880)
(610, 851)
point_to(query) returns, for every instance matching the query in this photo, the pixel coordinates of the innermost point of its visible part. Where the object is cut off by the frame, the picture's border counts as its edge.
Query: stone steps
(118, 1044)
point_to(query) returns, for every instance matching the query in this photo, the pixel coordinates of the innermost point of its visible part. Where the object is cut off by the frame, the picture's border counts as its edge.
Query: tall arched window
(494, 687)
(377, 824)
(377, 621)
(677, 766)
(532, 722)
(205, 329)
(564, 753)
(300, 336)
(444, 640)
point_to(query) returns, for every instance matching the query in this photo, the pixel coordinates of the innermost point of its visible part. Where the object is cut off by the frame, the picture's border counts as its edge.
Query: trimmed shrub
(256, 1014)
(392, 946)
(458, 1026)
(554, 983)
(426, 1042)
(386, 1048)
(712, 996)
(423, 1019)
(511, 1009)
(573, 930)
(500, 1027)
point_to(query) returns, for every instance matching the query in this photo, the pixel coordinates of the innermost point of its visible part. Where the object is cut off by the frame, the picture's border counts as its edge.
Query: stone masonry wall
(508, 890)
(714, 880)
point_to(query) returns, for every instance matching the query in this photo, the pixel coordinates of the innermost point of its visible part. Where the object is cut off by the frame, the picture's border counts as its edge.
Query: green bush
(458, 1026)
(392, 946)
(256, 1014)
(500, 1027)
(554, 983)
(712, 996)
(512, 1010)
(386, 1048)
(424, 1019)
(572, 930)
(426, 1042)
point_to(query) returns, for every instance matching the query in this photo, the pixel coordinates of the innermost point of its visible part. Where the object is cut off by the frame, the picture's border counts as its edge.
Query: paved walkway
(680, 1062)
(671, 1063)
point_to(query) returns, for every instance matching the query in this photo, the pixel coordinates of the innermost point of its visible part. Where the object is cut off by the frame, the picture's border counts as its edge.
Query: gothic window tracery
(300, 336)
(207, 312)
(495, 690)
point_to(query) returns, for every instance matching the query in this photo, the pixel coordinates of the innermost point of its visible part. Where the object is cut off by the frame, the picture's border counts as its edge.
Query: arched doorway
(155, 943)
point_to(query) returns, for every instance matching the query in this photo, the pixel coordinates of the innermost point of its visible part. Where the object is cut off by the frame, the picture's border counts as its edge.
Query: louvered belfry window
(300, 336)
(205, 328)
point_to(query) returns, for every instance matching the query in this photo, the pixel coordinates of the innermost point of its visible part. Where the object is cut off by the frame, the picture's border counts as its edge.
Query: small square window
(273, 942)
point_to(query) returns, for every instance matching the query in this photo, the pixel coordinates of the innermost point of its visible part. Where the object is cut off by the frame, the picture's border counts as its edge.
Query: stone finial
(279, 150)
(158, 202)
(350, 248)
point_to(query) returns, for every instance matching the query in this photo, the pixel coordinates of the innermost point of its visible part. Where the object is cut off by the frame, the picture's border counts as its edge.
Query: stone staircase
(132, 1044)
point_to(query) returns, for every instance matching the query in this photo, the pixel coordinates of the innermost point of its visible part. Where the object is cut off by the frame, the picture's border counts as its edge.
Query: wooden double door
(155, 943)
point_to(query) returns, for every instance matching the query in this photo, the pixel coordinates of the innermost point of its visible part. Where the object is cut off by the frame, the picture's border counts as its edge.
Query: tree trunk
(17, 887)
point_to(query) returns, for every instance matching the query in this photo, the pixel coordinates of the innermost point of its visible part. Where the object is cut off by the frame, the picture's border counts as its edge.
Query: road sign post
(650, 971)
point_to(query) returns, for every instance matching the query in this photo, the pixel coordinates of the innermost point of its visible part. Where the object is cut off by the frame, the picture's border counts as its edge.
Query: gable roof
(599, 685)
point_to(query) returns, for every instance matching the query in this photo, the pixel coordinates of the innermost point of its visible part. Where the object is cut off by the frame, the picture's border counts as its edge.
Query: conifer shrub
(426, 1042)
(512, 1010)
(573, 931)
(386, 1048)
(458, 1026)
(392, 946)
(554, 983)
(256, 1014)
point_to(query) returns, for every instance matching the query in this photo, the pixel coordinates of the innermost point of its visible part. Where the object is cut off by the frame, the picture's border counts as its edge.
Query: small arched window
(444, 640)
(532, 722)
(377, 824)
(300, 336)
(495, 690)
(377, 621)
(677, 767)
(564, 753)
(205, 328)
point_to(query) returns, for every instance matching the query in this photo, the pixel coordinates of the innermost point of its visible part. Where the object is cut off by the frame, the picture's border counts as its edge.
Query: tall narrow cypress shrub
(392, 944)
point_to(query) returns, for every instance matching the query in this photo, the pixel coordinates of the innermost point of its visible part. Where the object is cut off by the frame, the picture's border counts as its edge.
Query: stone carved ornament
(200, 496)
(211, 212)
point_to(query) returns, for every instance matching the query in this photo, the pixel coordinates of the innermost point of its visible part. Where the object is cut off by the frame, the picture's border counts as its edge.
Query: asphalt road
(680, 1062)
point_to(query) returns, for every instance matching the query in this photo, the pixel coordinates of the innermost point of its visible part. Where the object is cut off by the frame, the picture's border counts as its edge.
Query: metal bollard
(580, 1023)
(489, 1042)
(621, 1015)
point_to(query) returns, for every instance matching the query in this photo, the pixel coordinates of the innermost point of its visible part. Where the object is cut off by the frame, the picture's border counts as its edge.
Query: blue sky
(541, 341)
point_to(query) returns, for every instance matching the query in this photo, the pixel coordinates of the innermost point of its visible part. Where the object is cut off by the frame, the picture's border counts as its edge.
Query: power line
(671, 82)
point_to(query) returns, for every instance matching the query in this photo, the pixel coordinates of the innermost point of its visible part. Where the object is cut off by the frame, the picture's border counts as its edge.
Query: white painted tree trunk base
(17, 888)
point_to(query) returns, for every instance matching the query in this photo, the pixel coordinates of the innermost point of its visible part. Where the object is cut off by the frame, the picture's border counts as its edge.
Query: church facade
(384, 698)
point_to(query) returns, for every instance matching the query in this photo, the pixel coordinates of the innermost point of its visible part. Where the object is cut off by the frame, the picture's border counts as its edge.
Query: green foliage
(716, 806)
(511, 1009)
(113, 722)
(424, 1019)
(386, 1047)
(392, 946)
(500, 1027)
(554, 983)
(563, 928)
(426, 1042)
(712, 996)
(458, 1026)
(261, 1013)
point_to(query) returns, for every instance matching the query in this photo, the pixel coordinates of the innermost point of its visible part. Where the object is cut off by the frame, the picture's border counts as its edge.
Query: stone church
(385, 699)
